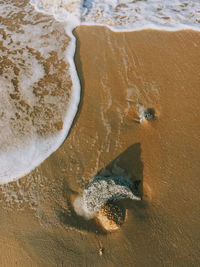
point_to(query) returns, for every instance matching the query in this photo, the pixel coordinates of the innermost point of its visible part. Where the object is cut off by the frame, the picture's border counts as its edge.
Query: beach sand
(120, 74)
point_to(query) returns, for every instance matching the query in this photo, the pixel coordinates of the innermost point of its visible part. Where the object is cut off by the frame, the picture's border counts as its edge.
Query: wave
(126, 15)
(23, 142)
(38, 100)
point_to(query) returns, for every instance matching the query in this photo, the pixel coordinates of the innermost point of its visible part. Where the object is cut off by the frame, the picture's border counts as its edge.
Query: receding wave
(39, 86)
(37, 95)
(126, 15)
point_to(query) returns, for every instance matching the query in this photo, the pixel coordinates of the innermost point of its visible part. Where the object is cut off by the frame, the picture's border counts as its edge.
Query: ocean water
(121, 15)
(38, 99)
(39, 86)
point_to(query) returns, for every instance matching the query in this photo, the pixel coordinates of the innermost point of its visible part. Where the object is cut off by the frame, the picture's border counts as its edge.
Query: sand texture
(120, 74)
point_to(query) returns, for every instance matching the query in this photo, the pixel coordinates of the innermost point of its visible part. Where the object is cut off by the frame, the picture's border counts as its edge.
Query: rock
(101, 251)
(102, 190)
(111, 217)
(149, 114)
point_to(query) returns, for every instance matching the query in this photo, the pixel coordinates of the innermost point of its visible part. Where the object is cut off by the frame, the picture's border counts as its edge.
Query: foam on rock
(100, 197)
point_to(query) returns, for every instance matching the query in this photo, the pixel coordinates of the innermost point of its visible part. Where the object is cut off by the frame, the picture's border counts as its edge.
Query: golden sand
(119, 73)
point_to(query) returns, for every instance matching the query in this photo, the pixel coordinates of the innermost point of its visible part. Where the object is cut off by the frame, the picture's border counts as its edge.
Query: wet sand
(119, 72)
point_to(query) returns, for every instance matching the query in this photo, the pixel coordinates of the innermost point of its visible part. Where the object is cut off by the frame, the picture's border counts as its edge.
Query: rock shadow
(128, 165)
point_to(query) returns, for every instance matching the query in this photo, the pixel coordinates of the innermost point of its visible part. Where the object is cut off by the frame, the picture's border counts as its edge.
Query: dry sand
(118, 72)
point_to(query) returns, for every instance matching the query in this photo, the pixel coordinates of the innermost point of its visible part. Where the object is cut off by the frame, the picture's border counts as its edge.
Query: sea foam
(36, 111)
(126, 15)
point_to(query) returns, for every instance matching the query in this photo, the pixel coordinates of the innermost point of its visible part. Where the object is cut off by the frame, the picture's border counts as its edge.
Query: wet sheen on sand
(153, 69)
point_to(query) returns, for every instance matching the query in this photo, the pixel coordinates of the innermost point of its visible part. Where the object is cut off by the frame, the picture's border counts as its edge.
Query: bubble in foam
(101, 191)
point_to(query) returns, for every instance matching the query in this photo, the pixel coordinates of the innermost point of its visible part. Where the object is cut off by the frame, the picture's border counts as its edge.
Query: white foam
(23, 147)
(136, 15)
(81, 210)
(101, 191)
(127, 15)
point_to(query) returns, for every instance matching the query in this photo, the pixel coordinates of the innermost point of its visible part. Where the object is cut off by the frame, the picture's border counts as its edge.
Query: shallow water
(123, 75)
(126, 15)
(40, 89)
(38, 102)
(160, 156)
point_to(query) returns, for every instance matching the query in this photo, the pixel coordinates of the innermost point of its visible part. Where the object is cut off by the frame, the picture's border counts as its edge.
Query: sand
(119, 74)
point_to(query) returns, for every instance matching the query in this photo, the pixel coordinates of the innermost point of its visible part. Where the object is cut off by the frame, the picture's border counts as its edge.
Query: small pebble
(149, 114)
(101, 250)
